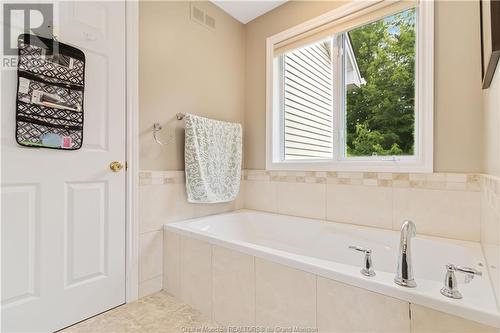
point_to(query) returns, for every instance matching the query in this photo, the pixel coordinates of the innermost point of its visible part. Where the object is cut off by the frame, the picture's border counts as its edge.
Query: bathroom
(250, 166)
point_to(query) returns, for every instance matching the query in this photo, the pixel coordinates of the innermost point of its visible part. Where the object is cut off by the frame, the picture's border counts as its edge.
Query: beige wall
(491, 100)
(186, 67)
(458, 117)
(183, 67)
(458, 138)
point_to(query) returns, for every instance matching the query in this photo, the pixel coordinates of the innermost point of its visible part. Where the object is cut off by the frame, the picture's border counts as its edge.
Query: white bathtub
(321, 248)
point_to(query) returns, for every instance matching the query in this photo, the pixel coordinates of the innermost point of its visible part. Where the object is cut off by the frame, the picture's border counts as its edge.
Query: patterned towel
(212, 160)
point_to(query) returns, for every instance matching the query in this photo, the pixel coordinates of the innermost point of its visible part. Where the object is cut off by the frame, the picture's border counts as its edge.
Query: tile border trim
(147, 177)
(434, 181)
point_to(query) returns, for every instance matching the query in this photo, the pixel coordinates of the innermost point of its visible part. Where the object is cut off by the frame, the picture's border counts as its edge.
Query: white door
(63, 212)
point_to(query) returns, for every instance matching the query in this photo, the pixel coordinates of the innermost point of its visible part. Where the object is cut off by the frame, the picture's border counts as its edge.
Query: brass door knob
(115, 166)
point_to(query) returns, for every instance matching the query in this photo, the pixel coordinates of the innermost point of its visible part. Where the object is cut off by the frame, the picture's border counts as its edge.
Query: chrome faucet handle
(450, 288)
(367, 269)
(469, 272)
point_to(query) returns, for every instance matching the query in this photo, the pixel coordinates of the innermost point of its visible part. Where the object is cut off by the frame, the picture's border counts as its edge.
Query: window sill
(405, 165)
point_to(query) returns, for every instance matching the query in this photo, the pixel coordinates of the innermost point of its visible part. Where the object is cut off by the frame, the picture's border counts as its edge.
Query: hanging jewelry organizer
(50, 89)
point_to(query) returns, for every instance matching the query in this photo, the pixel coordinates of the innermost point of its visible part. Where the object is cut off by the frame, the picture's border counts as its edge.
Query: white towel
(212, 158)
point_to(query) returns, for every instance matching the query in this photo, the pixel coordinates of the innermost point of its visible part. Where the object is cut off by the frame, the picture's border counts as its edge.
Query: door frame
(132, 152)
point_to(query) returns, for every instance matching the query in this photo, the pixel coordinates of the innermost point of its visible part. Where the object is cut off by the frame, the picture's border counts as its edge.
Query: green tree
(381, 113)
(367, 142)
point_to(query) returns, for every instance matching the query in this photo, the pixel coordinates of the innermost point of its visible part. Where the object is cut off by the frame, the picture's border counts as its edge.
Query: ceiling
(245, 11)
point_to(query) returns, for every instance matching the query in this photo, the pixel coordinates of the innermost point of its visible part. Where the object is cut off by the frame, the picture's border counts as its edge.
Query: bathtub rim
(348, 274)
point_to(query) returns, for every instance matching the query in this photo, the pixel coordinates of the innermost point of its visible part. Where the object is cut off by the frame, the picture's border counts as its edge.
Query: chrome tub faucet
(450, 288)
(404, 271)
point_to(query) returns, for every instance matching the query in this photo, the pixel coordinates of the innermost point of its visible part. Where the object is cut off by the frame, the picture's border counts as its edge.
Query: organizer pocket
(36, 90)
(40, 60)
(50, 128)
(49, 113)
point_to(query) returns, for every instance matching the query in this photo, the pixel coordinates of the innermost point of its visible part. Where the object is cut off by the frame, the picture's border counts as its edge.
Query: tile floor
(156, 313)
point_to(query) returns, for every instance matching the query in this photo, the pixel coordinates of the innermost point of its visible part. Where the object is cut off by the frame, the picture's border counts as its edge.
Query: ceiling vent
(200, 17)
(209, 21)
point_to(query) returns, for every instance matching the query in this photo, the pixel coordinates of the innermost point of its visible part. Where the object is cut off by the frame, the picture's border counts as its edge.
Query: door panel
(63, 212)
(86, 223)
(20, 240)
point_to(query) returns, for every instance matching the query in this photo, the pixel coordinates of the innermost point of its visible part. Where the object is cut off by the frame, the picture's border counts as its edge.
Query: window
(353, 93)
(380, 110)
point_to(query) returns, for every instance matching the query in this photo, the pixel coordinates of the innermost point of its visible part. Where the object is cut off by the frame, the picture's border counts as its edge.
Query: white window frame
(421, 162)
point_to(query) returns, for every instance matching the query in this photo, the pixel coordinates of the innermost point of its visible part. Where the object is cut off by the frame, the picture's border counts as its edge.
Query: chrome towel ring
(157, 127)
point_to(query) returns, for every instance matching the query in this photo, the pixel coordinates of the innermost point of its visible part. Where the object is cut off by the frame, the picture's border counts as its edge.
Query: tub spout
(404, 272)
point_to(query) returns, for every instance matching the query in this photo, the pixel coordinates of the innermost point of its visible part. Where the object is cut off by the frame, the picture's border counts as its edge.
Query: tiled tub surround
(162, 199)
(490, 227)
(441, 204)
(247, 268)
(445, 205)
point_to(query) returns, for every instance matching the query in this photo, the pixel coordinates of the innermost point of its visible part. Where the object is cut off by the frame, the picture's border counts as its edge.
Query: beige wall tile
(150, 255)
(452, 214)
(185, 210)
(150, 286)
(239, 203)
(214, 208)
(365, 205)
(172, 263)
(196, 274)
(284, 296)
(160, 204)
(156, 206)
(343, 308)
(490, 238)
(261, 195)
(302, 199)
(425, 320)
(233, 276)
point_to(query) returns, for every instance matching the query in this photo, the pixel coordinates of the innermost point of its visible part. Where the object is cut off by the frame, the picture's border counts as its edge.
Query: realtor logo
(35, 18)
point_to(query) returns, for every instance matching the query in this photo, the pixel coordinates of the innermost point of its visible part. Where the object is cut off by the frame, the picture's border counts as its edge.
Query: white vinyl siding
(308, 102)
